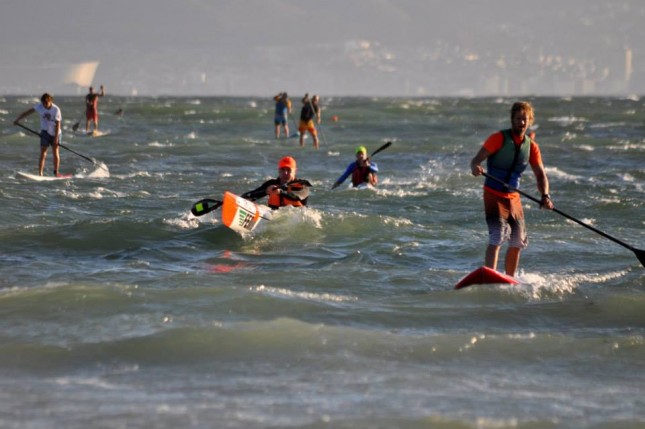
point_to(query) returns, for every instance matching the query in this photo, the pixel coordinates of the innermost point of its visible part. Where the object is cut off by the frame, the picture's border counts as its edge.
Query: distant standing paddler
(92, 109)
(282, 111)
(310, 110)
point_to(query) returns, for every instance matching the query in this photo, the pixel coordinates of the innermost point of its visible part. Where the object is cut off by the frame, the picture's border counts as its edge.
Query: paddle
(76, 125)
(385, 146)
(296, 133)
(640, 254)
(322, 134)
(63, 146)
(207, 205)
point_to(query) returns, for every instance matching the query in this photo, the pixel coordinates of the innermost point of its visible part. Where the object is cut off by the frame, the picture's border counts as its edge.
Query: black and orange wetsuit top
(294, 194)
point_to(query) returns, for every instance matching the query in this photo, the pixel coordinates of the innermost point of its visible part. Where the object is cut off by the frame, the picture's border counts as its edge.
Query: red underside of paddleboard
(485, 275)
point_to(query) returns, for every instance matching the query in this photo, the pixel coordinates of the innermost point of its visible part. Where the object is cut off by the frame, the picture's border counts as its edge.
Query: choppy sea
(119, 309)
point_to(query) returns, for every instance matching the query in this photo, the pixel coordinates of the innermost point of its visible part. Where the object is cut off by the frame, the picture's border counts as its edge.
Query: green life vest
(508, 163)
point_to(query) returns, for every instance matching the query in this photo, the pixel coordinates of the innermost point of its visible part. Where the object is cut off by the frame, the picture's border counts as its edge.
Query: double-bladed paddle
(640, 254)
(207, 205)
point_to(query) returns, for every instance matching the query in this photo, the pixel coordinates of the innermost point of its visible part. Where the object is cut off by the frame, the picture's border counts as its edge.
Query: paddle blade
(385, 146)
(205, 206)
(640, 254)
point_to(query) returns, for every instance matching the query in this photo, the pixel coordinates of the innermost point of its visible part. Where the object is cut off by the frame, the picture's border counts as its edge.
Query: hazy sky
(336, 47)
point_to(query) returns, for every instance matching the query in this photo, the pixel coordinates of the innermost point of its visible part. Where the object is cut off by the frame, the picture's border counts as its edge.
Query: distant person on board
(507, 153)
(362, 170)
(310, 111)
(285, 190)
(282, 111)
(50, 129)
(92, 109)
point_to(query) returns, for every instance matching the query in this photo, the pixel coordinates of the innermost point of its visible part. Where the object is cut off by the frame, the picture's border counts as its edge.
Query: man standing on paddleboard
(362, 170)
(285, 190)
(310, 111)
(282, 111)
(50, 129)
(507, 154)
(92, 109)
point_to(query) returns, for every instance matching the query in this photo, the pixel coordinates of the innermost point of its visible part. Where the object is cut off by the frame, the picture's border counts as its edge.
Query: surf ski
(242, 215)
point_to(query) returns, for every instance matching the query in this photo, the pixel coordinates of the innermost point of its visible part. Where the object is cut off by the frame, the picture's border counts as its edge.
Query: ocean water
(119, 309)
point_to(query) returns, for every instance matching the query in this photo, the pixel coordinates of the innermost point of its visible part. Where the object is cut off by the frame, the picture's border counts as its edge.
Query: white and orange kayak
(242, 215)
(485, 275)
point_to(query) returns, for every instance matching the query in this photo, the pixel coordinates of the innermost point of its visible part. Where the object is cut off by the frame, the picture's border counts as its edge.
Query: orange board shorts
(307, 126)
(505, 220)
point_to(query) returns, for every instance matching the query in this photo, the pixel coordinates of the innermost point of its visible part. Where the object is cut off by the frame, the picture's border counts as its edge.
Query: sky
(333, 47)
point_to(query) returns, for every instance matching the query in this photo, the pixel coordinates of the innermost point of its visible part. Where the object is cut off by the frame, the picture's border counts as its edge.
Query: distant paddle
(76, 125)
(640, 254)
(63, 146)
(385, 146)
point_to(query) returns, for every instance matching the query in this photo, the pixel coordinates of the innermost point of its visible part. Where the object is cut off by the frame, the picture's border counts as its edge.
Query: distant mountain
(353, 47)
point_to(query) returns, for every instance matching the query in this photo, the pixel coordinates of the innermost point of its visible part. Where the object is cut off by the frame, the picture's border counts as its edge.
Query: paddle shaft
(385, 146)
(322, 134)
(639, 253)
(61, 145)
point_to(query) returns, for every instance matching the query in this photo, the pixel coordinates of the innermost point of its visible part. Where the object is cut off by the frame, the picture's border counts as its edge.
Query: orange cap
(287, 162)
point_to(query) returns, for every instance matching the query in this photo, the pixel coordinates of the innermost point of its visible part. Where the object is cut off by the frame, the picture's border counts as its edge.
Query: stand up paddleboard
(485, 275)
(43, 178)
(242, 215)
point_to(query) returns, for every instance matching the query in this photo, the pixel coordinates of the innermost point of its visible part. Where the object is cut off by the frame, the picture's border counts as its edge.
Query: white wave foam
(536, 286)
(566, 120)
(556, 172)
(308, 296)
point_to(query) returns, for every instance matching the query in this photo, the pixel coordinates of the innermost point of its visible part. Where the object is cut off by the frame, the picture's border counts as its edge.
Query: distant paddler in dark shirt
(362, 170)
(310, 111)
(92, 109)
(285, 190)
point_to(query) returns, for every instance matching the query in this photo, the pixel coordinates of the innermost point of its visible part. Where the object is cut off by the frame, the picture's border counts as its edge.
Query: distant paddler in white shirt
(50, 129)
(363, 171)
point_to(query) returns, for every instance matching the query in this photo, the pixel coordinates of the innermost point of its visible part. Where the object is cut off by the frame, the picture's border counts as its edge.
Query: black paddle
(207, 205)
(385, 146)
(640, 254)
(76, 125)
(63, 146)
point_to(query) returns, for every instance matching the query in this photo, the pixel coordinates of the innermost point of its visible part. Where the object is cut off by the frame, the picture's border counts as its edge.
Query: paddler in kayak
(507, 154)
(285, 190)
(362, 170)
